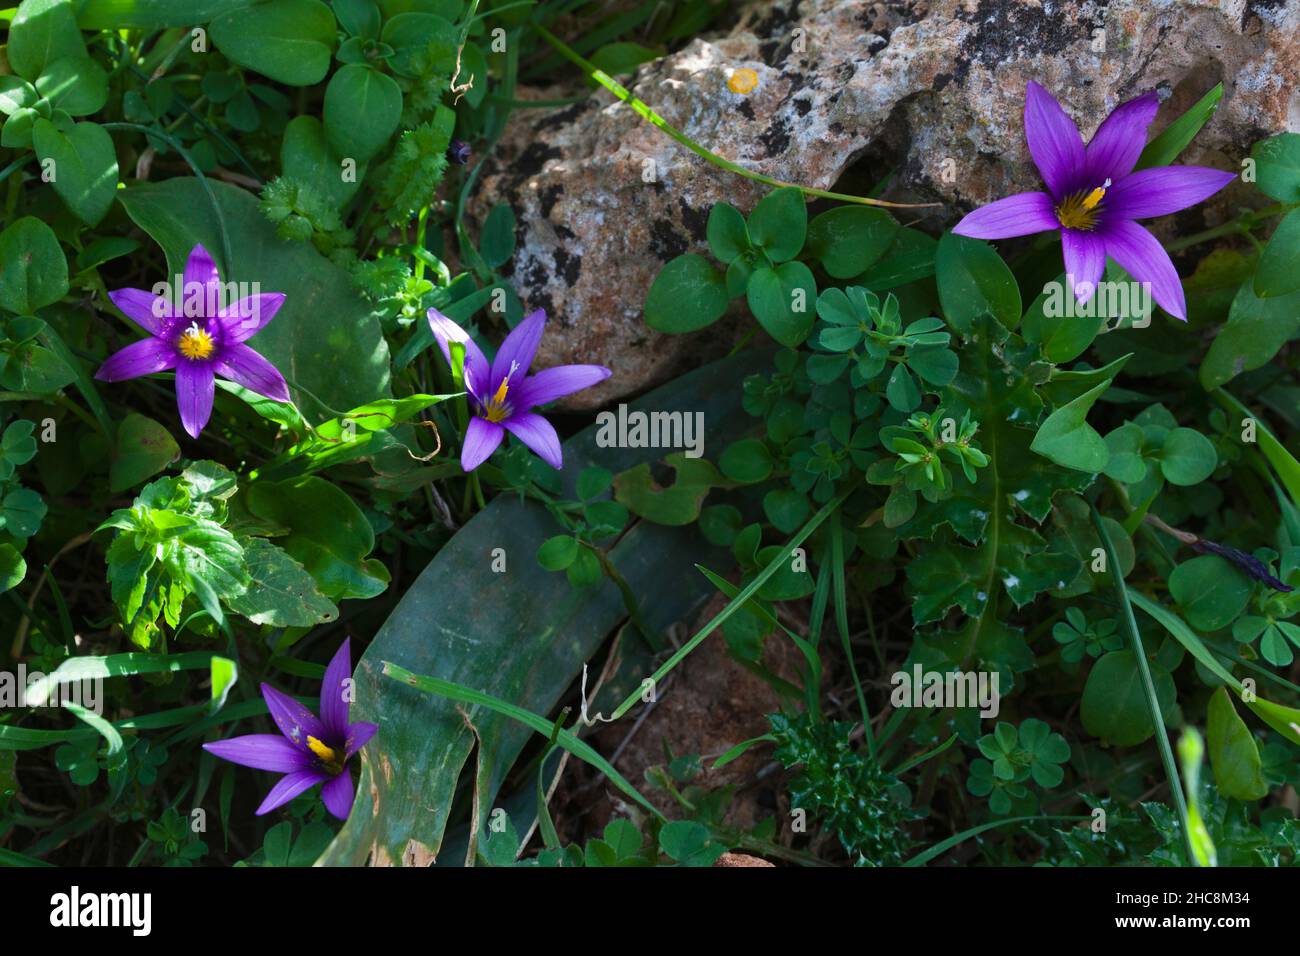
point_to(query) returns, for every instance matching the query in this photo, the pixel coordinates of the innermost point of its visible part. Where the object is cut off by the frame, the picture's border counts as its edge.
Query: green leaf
(144, 448)
(21, 512)
(558, 552)
(1210, 591)
(306, 157)
(497, 243)
(1056, 325)
(1067, 438)
(421, 42)
(849, 239)
(687, 294)
(153, 14)
(280, 592)
(679, 503)
(1114, 704)
(84, 166)
(329, 535)
(362, 109)
(1175, 137)
(1277, 170)
(1256, 329)
(1187, 457)
(1234, 755)
(783, 300)
(746, 462)
(909, 258)
(779, 223)
(75, 84)
(1277, 273)
(343, 361)
(727, 233)
(974, 281)
(289, 41)
(41, 32)
(33, 270)
(12, 567)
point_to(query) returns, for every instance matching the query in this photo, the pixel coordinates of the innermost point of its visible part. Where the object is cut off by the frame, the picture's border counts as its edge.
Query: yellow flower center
(195, 343)
(495, 409)
(328, 757)
(1079, 211)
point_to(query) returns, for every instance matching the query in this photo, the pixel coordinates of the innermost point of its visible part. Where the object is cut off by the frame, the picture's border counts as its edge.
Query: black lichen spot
(802, 106)
(532, 159)
(665, 241)
(776, 138)
(549, 196)
(695, 220)
(746, 109)
(877, 43)
(568, 266)
(1007, 29)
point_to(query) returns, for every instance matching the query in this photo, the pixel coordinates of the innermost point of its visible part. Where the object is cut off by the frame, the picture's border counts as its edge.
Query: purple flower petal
(261, 752)
(1054, 142)
(1142, 256)
(1020, 215)
(538, 434)
(518, 349)
(1085, 260)
(481, 439)
(1160, 191)
(245, 318)
(295, 721)
(552, 383)
(243, 366)
(202, 284)
(138, 358)
(333, 704)
(358, 735)
(145, 309)
(1118, 142)
(338, 795)
(288, 787)
(195, 385)
(446, 331)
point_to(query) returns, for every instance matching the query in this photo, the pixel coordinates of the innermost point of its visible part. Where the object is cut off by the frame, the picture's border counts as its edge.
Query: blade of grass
(842, 624)
(564, 738)
(1144, 668)
(745, 594)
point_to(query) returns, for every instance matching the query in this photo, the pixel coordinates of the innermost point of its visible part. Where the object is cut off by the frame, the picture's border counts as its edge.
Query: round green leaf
(687, 294)
(1277, 273)
(84, 166)
(75, 84)
(779, 223)
(849, 239)
(1188, 457)
(12, 567)
(289, 41)
(33, 270)
(41, 32)
(783, 300)
(144, 448)
(1114, 705)
(728, 235)
(1277, 165)
(746, 461)
(1210, 591)
(362, 109)
(558, 553)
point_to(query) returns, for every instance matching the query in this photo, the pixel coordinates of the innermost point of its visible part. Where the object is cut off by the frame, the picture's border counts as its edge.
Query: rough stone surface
(933, 89)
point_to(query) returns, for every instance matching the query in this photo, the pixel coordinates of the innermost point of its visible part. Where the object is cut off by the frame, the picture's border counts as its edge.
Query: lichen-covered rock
(936, 88)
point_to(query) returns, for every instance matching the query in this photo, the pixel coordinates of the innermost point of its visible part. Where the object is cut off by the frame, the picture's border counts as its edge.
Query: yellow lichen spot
(195, 343)
(742, 81)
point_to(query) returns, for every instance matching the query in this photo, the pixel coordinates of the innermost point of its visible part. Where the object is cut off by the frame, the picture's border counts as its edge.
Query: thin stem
(1153, 701)
(648, 114)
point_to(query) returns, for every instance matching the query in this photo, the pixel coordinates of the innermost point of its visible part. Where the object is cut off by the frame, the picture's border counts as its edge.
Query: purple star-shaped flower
(503, 394)
(202, 342)
(308, 750)
(1093, 197)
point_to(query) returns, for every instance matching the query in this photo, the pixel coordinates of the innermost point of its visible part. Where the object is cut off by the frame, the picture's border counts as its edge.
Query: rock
(934, 89)
(740, 859)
